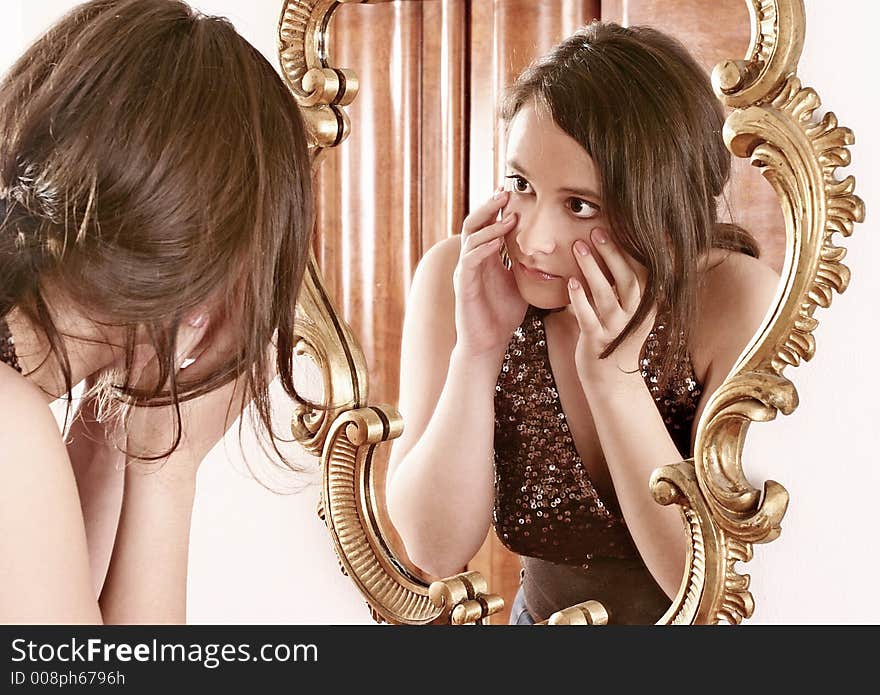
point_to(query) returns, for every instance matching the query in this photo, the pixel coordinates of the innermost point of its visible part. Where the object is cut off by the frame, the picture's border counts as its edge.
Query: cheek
(601, 263)
(516, 206)
(513, 205)
(585, 234)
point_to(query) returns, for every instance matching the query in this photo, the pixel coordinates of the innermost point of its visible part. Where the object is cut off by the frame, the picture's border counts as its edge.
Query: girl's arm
(44, 561)
(146, 580)
(632, 433)
(98, 469)
(440, 475)
(462, 309)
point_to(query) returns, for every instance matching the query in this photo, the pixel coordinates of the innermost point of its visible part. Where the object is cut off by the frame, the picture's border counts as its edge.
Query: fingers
(626, 280)
(474, 257)
(485, 214)
(588, 322)
(604, 298)
(487, 234)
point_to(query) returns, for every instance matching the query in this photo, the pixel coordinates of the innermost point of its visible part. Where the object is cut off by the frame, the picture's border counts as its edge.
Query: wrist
(478, 359)
(476, 362)
(611, 381)
(174, 477)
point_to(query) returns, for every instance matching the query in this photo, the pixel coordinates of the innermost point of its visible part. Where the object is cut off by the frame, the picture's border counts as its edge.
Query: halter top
(546, 506)
(7, 347)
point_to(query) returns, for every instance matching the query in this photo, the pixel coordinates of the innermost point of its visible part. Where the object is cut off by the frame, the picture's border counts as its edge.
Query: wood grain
(426, 145)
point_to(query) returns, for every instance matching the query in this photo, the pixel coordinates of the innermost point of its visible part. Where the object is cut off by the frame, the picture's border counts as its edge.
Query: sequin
(7, 347)
(537, 468)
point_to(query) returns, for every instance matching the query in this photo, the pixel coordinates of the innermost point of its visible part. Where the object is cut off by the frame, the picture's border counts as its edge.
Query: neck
(88, 350)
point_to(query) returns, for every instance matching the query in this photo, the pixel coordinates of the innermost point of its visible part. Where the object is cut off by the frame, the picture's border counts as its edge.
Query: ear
(190, 336)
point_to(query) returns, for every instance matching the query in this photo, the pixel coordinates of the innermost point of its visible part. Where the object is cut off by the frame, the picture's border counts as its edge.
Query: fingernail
(600, 236)
(573, 283)
(498, 193)
(509, 218)
(582, 248)
(198, 321)
(187, 362)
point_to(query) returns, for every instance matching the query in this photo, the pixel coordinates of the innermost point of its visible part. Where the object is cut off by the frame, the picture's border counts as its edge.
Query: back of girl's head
(151, 163)
(644, 110)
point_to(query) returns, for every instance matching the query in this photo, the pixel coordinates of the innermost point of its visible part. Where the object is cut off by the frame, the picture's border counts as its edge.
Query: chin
(544, 297)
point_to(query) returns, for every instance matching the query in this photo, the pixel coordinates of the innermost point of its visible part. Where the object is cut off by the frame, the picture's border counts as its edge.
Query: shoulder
(27, 425)
(25, 403)
(735, 295)
(738, 282)
(41, 522)
(437, 266)
(432, 284)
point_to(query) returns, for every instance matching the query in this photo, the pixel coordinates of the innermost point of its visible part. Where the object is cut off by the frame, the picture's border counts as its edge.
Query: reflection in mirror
(564, 346)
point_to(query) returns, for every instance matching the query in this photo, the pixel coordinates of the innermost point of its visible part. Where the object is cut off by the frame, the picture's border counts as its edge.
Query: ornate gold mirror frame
(773, 123)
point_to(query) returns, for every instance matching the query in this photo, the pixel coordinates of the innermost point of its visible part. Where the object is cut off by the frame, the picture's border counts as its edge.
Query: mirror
(426, 149)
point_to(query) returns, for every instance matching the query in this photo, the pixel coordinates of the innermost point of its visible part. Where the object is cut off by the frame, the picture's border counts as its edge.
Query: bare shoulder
(735, 295)
(26, 411)
(429, 325)
(436, 267)
(41, 525)
(430, 304)
(738, 281)
(427, 341)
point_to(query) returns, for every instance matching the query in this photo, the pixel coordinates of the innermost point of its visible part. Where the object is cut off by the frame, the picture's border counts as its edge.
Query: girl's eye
(582, 208)
(519, 184)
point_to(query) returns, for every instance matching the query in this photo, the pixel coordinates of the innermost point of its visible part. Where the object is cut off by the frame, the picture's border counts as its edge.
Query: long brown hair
(152, 161)
(644, 110)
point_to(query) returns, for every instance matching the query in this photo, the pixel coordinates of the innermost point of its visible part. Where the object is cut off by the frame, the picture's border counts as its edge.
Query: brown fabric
(575, 544)
(7, 347)
(625, 587)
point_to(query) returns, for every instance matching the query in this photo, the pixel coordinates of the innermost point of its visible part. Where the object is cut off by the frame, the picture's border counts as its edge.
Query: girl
(542, 390)
(155, 215)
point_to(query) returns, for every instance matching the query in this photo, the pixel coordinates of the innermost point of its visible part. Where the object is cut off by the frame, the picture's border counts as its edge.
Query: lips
(536, 273)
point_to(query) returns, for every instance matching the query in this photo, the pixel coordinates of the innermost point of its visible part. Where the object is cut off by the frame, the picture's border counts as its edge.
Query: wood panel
(399, 183)
(426, 145)
(369, 212)
(507, 35)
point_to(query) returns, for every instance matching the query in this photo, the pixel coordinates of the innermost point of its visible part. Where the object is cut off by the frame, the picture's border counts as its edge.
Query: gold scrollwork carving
(464, 598)
(321, 89)
(773, 124)
(343, 431)
(349, 512)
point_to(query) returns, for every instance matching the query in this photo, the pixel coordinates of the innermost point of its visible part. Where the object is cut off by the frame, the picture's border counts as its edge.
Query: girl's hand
(203, 420)
(488, 305)
(98, 469)
(604, 309)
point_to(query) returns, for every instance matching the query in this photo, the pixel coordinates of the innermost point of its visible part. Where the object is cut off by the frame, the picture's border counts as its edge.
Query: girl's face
(557, 195)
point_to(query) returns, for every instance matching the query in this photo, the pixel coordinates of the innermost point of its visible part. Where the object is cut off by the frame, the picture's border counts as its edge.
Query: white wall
(825, 567)
(255, 556)
(261, 558)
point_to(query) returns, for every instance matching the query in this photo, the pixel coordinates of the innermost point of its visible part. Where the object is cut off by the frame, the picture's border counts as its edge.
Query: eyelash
(516, 178)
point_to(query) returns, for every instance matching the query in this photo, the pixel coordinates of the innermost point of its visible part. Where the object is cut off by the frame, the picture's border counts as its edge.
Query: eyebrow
(582, 192)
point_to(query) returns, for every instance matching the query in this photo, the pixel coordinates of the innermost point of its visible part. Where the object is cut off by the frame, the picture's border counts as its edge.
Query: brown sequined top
(7, 347)
(545, 503)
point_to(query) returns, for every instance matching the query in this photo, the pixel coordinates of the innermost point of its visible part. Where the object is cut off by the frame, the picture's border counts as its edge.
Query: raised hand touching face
(488, 306)
(604, 303)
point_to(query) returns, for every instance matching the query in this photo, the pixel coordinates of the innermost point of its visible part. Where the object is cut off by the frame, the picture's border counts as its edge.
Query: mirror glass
(528, 457)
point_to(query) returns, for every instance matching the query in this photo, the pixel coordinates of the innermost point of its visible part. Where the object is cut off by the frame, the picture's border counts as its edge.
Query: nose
(535, 235)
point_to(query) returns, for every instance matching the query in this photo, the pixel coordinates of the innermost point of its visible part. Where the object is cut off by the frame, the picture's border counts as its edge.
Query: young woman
(155, 215)
(541, 391)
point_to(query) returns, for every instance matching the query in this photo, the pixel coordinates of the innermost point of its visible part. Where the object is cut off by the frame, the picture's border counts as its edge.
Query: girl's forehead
(540, 150)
